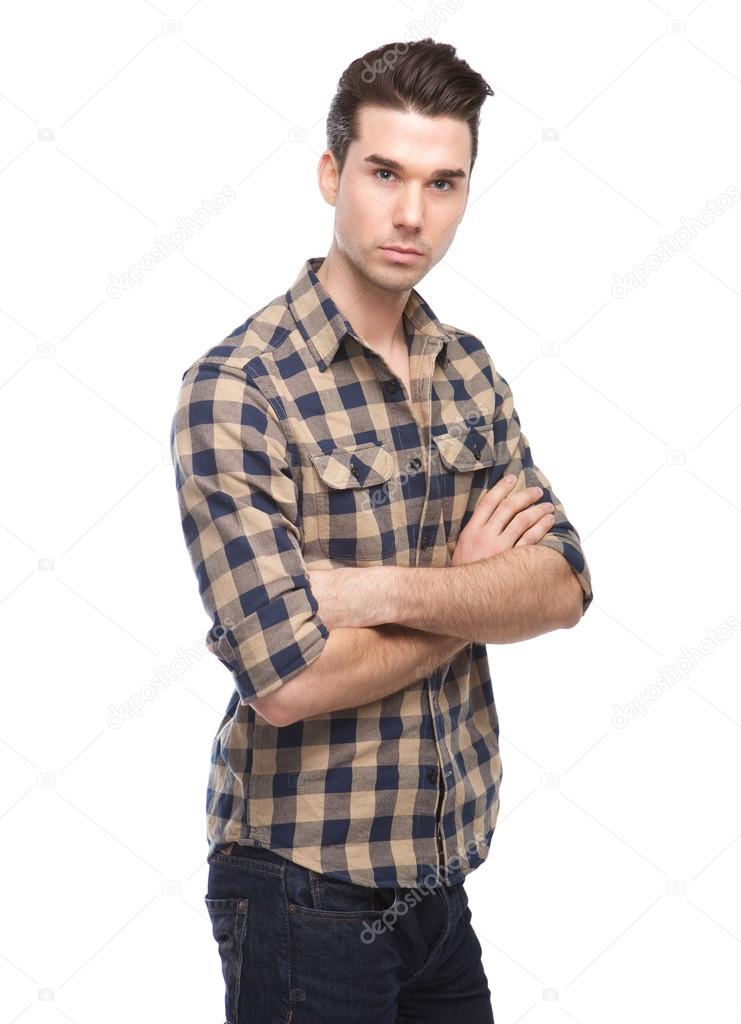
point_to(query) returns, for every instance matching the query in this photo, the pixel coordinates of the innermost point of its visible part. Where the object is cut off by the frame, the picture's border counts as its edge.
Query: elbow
(281, 706)
(282, 713)
(264, 708)
(272, 707)
(574, 611)
(573, 619)
(295, 697)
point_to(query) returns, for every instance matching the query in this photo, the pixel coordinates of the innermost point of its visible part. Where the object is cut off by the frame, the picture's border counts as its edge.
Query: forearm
(360, 665)
(517, 594)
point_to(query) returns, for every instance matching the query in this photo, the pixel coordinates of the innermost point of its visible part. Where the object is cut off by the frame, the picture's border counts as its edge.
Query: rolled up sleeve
(239, 511)
(516, 457)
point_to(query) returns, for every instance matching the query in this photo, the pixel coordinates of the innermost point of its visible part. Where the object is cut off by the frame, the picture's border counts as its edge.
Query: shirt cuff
(272, 644)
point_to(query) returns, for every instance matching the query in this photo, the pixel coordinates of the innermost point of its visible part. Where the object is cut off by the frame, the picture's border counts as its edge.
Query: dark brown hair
(422, 76)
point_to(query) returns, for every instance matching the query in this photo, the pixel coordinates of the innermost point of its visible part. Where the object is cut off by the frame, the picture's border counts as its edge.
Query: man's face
(397, 188)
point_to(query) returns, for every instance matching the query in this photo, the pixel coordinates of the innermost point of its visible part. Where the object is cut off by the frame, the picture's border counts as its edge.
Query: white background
(611, 891)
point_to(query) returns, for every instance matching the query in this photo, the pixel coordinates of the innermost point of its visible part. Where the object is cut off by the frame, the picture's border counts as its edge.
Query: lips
(398, 248)
(399, 257)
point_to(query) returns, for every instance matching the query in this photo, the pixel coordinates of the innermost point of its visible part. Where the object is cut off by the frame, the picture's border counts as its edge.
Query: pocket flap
(465, 448)
(362, 465)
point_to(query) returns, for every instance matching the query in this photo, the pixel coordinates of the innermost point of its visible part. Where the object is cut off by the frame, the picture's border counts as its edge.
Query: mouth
(398, 254)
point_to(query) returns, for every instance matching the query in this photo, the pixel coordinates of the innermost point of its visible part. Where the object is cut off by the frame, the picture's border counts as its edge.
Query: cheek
(442, 232)
(446, 221)
(358, 214)
(359, 197)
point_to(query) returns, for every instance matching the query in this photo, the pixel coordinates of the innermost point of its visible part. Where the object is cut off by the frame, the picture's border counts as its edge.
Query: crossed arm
(518, 594)
(355, 635)
(390, 625)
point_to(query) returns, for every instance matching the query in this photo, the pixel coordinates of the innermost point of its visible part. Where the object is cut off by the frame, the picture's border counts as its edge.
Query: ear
(328, 177)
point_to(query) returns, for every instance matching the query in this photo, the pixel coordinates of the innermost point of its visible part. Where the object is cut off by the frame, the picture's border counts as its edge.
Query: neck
(374, 312)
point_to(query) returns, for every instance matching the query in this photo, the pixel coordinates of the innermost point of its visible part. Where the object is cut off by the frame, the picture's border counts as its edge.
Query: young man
(364, 515)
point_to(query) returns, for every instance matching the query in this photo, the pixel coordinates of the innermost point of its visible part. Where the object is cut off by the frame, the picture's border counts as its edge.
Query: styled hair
(423, 76)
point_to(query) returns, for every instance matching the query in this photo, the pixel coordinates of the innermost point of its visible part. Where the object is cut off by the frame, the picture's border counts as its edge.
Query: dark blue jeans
(297, 947)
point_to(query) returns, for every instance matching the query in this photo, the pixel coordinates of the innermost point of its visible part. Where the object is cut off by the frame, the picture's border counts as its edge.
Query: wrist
(369, 596)
(390, 593)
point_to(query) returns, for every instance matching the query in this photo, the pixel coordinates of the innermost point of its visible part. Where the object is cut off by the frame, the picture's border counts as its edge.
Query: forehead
(415, 140)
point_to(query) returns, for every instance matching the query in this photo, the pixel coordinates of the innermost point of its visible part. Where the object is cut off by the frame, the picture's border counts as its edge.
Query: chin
(395, 277)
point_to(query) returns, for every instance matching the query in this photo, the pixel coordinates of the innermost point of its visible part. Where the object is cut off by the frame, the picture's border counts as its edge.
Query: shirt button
(432, 774)
(391, 385)
(415, 463)
(425, 541)
(476, 452)
(354, 470)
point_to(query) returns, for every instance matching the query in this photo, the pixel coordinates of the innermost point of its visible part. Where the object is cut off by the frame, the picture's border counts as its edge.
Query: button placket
(429, 508)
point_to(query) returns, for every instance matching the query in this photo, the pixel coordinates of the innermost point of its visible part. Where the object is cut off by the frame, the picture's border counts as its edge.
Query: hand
(503, 520)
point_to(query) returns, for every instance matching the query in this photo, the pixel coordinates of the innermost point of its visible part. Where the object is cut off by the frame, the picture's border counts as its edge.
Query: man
(364, 515)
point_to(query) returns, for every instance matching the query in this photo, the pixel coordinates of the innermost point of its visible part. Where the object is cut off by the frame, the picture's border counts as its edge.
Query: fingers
(490, 501)
(501, 499)
(539, 529)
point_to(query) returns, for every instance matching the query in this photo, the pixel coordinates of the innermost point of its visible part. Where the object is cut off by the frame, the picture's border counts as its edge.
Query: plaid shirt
(295, 445)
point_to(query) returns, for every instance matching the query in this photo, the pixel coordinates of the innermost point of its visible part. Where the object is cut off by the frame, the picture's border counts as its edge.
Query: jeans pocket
(310, 891)
(343, 959)
(229, 926)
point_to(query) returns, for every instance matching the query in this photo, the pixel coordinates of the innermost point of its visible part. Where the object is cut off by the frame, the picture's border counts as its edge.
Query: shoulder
(252, 350)
(469, 356)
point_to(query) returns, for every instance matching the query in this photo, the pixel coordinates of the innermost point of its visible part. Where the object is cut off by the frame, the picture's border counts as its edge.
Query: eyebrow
(394, 165)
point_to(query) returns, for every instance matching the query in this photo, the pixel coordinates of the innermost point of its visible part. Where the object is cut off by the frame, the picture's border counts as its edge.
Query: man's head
(402, 139)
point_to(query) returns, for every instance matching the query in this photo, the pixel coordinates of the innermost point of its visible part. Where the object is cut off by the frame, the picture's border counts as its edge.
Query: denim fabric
(297, 947)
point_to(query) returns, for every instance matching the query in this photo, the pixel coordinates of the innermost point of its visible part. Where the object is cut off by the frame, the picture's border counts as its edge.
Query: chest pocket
(466, 448)
(355, 502)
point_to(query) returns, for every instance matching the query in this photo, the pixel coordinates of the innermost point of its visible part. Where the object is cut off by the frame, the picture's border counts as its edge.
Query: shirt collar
(323, 327)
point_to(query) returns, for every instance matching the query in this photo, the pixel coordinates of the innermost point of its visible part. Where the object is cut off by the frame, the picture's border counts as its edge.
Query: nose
(409, 208)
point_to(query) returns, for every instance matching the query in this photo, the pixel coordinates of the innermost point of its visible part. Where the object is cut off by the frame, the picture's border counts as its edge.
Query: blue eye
(444, 181)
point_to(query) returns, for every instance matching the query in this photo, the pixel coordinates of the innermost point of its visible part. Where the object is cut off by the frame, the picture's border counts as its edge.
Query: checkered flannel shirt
(295, 446)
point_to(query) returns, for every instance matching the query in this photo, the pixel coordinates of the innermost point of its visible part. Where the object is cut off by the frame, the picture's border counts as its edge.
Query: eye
(384, 170)
(445, 182)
